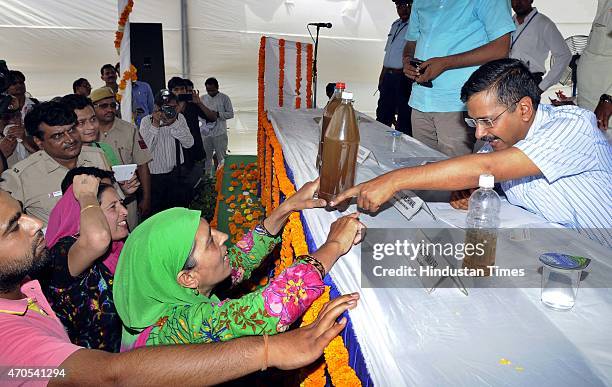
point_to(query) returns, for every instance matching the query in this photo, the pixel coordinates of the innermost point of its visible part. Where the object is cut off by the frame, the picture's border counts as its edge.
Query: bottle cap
(486, 181)
(347, 95)
(340, 85)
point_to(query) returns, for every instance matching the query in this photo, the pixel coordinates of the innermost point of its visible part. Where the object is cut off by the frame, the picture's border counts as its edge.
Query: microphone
(321, 25)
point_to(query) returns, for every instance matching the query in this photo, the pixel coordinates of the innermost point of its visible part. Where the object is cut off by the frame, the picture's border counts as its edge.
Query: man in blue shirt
(142, 100)
(552, 161)
(393, 84)
(453, 37)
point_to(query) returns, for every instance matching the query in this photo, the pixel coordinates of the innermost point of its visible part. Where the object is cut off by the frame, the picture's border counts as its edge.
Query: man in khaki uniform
(36, 181)
(124, 138)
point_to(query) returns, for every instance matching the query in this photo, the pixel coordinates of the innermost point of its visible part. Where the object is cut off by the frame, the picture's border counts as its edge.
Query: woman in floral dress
(171, 263)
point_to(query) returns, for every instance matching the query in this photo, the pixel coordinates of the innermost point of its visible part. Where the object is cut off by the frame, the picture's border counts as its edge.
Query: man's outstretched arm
(207, 364)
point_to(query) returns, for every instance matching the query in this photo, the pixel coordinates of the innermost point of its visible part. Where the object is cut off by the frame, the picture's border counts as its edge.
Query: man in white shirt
(393, 85)
(595, 68)
(536, 36)
(214, 136)
(166, 133)
(552, 161)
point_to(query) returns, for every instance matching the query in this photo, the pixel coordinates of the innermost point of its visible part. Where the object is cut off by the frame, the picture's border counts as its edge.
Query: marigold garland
(123, 18)
(129, 75)
(281, 71)
(272, 179)
(260, 105)
(298, 74)
(317, 377)
(309, 76)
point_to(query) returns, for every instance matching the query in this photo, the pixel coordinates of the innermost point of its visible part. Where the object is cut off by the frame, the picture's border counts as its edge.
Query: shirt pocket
(599, 41)
(389, 37)
(45, 202)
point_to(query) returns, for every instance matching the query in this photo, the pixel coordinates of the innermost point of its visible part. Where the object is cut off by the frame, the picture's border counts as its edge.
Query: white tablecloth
(411, 337)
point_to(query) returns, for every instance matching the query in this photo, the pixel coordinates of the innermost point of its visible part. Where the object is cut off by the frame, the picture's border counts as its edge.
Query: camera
(168, 111)
(185, 97)
(5, 100)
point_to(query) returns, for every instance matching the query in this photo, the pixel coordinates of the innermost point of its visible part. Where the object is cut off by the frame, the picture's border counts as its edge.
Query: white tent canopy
(55, 42)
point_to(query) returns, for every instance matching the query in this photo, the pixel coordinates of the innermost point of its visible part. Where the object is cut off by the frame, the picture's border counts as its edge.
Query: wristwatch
(605, 98)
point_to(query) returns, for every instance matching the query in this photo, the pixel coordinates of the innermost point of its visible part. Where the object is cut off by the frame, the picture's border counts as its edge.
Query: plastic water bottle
(482, 223)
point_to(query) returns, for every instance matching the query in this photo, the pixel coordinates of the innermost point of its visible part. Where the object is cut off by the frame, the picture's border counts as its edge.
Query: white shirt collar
(529, 15)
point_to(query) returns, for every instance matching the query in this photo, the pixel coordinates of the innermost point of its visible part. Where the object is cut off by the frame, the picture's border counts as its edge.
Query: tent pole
(185, 40)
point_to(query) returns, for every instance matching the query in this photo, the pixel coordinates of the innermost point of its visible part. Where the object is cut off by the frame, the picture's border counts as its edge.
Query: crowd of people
(104, 278)
(73, 281)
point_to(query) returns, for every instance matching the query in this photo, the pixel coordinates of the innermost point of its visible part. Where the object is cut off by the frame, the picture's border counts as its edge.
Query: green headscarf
(145, 286)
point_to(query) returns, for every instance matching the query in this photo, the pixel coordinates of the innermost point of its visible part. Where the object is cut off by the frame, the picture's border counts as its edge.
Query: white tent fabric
(55, 42)
(271, 75)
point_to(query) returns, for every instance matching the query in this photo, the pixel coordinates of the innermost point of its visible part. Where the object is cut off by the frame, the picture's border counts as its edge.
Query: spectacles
(486, 123)
(104, 106)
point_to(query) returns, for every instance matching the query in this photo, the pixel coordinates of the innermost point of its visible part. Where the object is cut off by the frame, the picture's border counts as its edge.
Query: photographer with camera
(166, 133)
(7, 144)
(192, 108)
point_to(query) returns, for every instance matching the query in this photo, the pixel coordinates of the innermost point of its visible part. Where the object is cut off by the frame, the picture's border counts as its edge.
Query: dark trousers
(167, 192)
(394, 95)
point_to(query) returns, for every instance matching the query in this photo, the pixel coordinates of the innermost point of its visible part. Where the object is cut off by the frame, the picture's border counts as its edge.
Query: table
(491, 337)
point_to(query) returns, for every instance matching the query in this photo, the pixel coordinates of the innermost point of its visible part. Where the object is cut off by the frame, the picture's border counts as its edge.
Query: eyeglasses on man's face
(486, 123)
(107, 105)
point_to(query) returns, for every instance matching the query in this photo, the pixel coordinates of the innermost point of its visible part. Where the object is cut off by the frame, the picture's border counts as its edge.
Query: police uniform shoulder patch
(141, 143)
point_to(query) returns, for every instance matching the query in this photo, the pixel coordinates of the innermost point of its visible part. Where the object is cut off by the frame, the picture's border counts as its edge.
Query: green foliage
(206, 197)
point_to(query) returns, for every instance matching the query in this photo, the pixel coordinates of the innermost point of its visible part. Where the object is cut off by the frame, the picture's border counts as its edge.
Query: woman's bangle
(262, 230)
(265, 359)
(89, 206)
(314, 262)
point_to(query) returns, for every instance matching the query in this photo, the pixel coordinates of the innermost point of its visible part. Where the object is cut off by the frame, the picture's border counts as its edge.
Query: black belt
(394, 71)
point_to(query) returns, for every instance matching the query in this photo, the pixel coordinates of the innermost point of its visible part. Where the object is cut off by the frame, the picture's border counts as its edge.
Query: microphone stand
(314, 68)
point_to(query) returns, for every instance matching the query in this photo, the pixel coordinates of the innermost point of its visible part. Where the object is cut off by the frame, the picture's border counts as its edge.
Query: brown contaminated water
(328, 113)
(339, 154)
(488, 239)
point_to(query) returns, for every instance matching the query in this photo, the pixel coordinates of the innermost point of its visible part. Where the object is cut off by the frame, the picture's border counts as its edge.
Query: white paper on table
(510, 216)
(407, 203)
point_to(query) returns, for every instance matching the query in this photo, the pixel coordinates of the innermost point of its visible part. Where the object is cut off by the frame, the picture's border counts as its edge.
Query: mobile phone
(414, 62)
(185, 97)
(124, 172)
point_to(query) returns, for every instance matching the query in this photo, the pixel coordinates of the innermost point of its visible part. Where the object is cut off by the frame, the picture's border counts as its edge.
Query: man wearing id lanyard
(393, 85)
(535, 36)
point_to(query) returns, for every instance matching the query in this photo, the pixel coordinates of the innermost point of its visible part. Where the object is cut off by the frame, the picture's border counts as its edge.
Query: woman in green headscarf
(171, 263)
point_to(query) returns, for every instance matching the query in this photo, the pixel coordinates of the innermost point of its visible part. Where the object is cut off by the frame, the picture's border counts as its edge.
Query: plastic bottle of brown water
(481, 227)
(328, 112)
(340, 149)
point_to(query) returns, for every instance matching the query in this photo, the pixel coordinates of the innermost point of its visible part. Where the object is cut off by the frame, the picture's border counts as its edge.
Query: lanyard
(523, 30)
(398, 31)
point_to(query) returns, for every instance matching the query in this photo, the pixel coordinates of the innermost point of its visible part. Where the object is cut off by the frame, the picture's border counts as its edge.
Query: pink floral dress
(268, 310)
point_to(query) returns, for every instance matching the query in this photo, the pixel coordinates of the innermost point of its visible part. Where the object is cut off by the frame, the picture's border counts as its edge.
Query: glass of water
(559, 287)
(561, 279)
